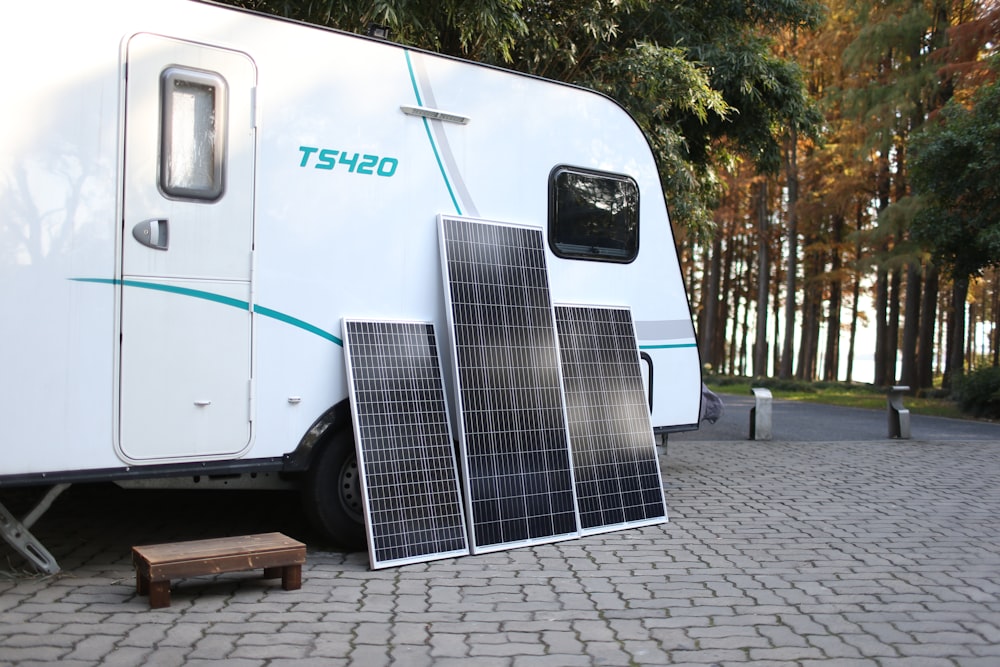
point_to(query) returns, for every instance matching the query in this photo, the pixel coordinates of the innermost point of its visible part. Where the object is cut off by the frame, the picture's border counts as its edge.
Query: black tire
(332, 493)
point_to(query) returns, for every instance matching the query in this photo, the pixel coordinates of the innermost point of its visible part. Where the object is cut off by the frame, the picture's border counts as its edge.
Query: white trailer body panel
(227, 344)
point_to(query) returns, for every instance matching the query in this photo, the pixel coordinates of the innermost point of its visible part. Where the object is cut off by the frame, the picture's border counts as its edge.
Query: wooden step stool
(156, 564)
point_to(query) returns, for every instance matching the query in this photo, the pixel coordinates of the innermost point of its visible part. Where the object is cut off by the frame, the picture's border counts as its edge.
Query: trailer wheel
(332, 493)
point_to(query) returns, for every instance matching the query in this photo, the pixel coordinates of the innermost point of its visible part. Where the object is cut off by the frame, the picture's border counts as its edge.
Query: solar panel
(406, 456)
(617, 472)
(514, 441)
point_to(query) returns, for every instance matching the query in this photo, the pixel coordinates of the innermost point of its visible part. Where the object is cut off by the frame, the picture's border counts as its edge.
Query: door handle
(153, 233)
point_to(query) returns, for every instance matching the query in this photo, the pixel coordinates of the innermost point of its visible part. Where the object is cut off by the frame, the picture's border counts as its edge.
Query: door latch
(154, 233)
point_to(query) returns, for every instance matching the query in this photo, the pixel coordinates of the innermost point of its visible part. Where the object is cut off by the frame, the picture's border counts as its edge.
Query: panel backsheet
(409, 475)
(615, 464)
(515, 445)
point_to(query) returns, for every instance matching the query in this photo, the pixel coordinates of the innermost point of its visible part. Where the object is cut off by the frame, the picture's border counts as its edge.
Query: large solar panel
(617, 473)
(406, 456)
(514, 440)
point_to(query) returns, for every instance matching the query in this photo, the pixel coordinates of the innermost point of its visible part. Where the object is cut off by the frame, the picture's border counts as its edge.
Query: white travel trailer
(193, 197)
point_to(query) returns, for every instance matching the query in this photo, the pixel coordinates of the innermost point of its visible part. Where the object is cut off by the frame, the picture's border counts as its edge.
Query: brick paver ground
(876, 553)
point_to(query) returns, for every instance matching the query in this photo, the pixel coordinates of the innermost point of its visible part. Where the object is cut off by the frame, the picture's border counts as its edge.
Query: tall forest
(829, 167)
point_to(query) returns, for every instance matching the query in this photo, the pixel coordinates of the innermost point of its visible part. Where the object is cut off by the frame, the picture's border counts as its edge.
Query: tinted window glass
(593, 215)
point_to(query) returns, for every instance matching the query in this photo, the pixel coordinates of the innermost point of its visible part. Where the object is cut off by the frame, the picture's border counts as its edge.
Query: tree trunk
(763, 278)
(855, 297)
(955, 366)
(995, 335)
(928, 318)
(813, 268)
(970, 336)
(892, 328)
(831, 367)
(733, 297)
(745, 334)
(792, 183)
(882, 187)
(710, 304)
(881, 326)
(727, 301)
(691, 277)
(859, 216)
(941, 345)
(909, 374)
(804, 357)
(776, 323)
(812, 315)
(731, 291)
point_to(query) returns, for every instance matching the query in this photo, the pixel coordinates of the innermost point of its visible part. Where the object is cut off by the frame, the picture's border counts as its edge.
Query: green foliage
(979, 392)
(700, 77)
(734, 43)
(894, 82)
(486, 30)
(955, 170)
(661, 86)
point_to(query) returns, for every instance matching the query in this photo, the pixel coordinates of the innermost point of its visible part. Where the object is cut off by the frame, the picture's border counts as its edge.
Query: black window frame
(595, 252)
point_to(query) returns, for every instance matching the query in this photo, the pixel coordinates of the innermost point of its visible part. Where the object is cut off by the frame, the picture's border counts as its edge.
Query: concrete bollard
(899, 417)
(760, 414)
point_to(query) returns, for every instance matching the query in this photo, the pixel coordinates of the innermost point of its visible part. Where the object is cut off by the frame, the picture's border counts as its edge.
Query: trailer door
(185, 381)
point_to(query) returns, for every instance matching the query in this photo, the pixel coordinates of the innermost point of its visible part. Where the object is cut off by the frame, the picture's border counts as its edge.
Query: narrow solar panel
(617, 472)
(406, 456)
(514, 441)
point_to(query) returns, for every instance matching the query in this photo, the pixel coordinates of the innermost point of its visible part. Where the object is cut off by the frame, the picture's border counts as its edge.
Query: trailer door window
(192, 134)
(593, 215)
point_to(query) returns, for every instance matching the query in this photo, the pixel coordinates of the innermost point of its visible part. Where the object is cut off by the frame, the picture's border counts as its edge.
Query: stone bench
(156, 564)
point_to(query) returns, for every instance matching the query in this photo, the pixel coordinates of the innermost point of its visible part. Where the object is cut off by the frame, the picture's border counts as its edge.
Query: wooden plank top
(216, 547)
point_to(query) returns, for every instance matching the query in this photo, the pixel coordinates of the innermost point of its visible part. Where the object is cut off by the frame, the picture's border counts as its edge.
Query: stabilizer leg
(18, 535)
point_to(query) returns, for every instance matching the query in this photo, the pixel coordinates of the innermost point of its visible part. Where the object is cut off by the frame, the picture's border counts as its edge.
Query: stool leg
(291, 577)
(141, 584)
(272, 572)
(159, 594)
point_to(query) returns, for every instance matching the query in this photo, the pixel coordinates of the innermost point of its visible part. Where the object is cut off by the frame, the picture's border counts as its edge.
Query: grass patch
(835, 393)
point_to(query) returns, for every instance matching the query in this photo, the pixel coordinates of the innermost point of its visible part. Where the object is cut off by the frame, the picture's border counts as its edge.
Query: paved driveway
(797, 421)
(779, 553)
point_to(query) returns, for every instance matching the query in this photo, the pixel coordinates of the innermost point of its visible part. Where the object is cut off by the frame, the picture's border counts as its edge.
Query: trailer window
(593, 215)
(192, 134)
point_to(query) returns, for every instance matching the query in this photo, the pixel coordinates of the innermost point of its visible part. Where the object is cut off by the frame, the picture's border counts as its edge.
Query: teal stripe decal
(667, 347)
(197, 294)
(218, 298)
(295, 322)
(269, 312)
(430, 137)
(413, 79)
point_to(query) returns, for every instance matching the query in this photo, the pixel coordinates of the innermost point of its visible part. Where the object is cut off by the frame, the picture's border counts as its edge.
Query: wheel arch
(332, 422)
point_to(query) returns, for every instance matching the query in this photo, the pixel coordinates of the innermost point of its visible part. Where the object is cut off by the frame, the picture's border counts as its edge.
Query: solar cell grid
(617, 474)
(406, 456)
(514, 439)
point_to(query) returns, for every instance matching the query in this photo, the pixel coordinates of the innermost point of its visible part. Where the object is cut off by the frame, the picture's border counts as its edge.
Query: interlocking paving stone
(776, 553)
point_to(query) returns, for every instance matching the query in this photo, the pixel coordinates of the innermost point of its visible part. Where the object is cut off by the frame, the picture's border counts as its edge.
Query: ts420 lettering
(355, 163)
